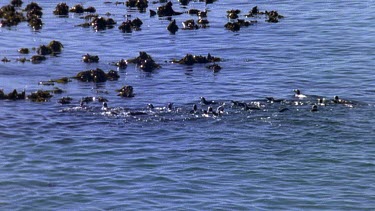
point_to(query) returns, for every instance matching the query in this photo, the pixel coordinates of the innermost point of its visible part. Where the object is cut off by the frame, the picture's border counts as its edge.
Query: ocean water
(64, 157)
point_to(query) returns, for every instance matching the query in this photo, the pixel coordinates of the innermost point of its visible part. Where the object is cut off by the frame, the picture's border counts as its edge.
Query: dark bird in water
(283, 110)
(208, 111)
(194, 110)
(321, 102)
(347, 103)
(219, 111)
(137, 113)
(273, 100)
(238, 103)
(170, 106)
(247, 107)
(337, 100)
(298, 94)
(150, 106)
(105, 106)
(314, 108)
(207, 102)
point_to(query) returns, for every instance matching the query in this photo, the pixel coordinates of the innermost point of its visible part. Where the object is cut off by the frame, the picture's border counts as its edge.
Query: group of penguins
(211, 108)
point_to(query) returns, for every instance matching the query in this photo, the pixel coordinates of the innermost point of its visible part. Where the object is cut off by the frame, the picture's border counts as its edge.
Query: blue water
(60, 157)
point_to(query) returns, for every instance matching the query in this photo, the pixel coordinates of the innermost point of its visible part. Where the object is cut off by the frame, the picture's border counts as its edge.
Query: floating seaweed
(96, 75)
(16, 3)
(233, 14)
(10, 17)
(167, 10)
(14, 95)
(90, 58)
(40, 96)
(36, 59)
(214, 67)
(61, 9)
(190, 59)
(271, 16)
(172, 27)
(65, 100)
(125, 91)
(128, 26)
(145, 62)
(122, 64)
(140, 4)
(236, 26)
(62, 80)
(101, 23)
(189, 25)
(78, 8)
(23, 50)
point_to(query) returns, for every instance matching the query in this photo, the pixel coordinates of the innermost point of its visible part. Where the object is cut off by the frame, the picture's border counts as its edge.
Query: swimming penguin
(107, 110)
(194, 110)
(273, 100)
(105, 106)
(247, 107)
(321, 101)
(347, 103)
(238, 103)
(207, 102)
(314, 108)
(220, 109)
(136, 113)
(283, 110)
(298, 94)
(150, 106)
(338, 100)
(206, 113)
(170, 106)
(218, 112)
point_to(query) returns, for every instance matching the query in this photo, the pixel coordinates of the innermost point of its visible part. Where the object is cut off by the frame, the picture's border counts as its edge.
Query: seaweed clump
(10, 17)
(16, 3)
(23, 50)
(122, 64)
(190, 59)
(140, 4)
(236, 26)
(79, 9)
(65, 100)
(271, 16)
(190, 25)
(40, 96)
(167, 10)
(233, 14)
(90, 58)
(101, 23)
(214, 67)
(172, 27)
(61, 9)
(145, 62)
(54, 47)
(36, 59)
(34, 14)
(125, 91)
(129, 25)
(98, 23)
(96, 75)
(14, 95)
